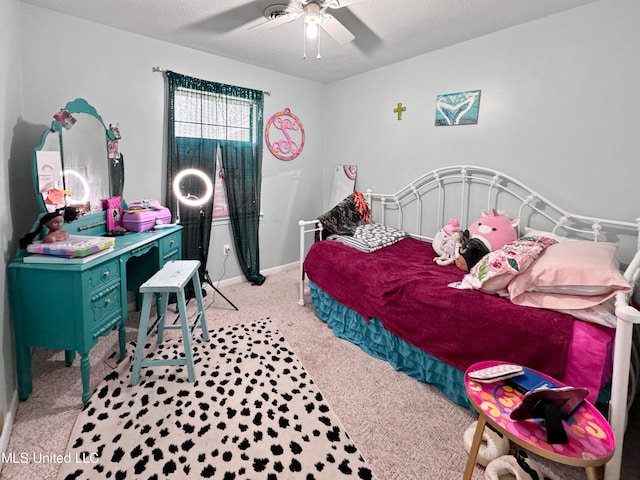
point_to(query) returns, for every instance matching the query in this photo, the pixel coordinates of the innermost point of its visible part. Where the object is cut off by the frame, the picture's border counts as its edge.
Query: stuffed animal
(446, 242)
(490, 232)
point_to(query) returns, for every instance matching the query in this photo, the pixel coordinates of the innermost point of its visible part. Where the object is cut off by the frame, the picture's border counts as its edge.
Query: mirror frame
(79, 105)
(344, 183)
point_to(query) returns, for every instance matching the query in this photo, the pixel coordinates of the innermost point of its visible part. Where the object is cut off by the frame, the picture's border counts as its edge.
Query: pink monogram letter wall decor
(284, 135)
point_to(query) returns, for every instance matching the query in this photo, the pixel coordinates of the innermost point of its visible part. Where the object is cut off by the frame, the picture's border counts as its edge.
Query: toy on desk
(53, 221)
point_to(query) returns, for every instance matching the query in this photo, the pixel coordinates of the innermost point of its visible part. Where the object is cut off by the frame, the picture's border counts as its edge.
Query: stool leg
(200, 302)
(475, 446)
(592, 473)
(163, 304)
(186, 335)
(142, 336)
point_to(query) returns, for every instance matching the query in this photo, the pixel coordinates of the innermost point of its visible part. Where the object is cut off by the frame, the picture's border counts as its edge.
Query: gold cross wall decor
(399, 109)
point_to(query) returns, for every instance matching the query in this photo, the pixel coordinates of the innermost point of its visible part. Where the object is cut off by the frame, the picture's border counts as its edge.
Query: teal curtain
(242, 175)
(193, 138)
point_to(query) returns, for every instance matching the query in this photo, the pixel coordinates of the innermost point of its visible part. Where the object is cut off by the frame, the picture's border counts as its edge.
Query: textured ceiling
(386, 31)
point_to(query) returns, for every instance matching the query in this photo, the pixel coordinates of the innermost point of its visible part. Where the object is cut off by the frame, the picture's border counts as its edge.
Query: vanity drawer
(104, 305)
(103, 274)
(171, 247)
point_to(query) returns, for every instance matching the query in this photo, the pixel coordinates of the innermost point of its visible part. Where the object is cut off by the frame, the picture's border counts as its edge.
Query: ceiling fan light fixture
(311, 28)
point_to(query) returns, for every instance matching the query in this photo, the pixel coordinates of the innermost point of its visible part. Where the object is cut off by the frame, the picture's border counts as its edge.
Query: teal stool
(172, 278)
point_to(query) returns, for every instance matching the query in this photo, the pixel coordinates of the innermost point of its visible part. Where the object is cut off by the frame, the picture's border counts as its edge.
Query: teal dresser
(70, 304)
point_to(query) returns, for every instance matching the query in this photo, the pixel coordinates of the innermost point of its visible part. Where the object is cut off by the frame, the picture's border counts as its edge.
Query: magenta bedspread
(402, 287)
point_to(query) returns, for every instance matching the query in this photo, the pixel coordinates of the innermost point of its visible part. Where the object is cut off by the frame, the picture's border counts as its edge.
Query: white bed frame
(461, 191)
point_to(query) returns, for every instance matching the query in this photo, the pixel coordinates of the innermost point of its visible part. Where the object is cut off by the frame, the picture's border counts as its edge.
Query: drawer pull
(169, 254)
(107, 301)
(105, 274)
(105, 292)
(109, 326)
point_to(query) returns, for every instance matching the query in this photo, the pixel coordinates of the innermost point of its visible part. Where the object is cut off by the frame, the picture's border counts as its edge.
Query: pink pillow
(570, 275)
(496, 269)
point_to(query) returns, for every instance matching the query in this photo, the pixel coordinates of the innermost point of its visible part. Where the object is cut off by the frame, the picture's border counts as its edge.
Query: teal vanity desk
(69, 304)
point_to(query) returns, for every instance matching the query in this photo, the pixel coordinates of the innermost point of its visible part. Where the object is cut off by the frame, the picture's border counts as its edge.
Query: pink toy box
(143, 220)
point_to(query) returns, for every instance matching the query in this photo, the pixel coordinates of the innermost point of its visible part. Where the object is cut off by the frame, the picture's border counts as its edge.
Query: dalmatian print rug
(252, 413)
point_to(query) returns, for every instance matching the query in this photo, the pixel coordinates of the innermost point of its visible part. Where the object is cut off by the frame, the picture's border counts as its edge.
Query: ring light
(85, 186)
(192, 200)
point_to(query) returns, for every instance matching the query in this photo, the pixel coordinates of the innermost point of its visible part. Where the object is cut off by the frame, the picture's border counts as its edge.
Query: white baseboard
(267, 272)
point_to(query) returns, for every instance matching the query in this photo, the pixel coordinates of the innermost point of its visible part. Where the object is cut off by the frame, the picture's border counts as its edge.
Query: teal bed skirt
(378, 342)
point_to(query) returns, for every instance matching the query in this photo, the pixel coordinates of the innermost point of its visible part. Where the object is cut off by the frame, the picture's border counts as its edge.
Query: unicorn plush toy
(490, 232)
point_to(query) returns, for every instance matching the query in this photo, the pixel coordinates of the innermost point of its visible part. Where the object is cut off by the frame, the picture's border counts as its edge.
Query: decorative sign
(286, 140)
(459, 108)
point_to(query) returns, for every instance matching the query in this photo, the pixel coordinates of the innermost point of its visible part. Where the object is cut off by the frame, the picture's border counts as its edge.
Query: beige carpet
(405, 430)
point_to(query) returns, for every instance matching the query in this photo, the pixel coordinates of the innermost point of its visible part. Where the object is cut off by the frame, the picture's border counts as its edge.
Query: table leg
(122, 339)
(475, 446)
(592, 473)
(23, 367)
(69, 356)
(85, 372)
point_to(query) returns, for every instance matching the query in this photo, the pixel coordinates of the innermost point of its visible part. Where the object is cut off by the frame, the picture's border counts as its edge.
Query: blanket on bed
(402, 287)
(344, 217)
(370, 237)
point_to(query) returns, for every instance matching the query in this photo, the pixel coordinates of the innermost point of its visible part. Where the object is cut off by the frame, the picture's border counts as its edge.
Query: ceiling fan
(315, 17)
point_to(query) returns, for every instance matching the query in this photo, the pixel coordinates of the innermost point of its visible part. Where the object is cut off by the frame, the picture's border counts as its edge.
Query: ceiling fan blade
(339, 32)
(274, 22)
(342, 3)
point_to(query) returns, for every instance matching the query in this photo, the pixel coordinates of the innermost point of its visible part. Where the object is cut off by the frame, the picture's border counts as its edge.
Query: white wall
(558, 109)
(112, 70)
(10, 99)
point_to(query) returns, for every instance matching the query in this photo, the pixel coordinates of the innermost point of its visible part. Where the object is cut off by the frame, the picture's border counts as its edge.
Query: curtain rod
(162, 70)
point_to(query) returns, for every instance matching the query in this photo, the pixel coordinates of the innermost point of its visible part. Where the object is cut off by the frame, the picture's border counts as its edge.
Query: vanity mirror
(72, 165)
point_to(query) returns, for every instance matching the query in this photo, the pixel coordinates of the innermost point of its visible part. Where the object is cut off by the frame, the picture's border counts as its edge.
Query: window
(215, 117)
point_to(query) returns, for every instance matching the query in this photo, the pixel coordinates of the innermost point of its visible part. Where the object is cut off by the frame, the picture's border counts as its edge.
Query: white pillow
(602, 314)
(569, 273)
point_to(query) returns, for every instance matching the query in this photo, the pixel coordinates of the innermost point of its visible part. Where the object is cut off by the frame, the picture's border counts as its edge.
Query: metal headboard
(462, 191)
